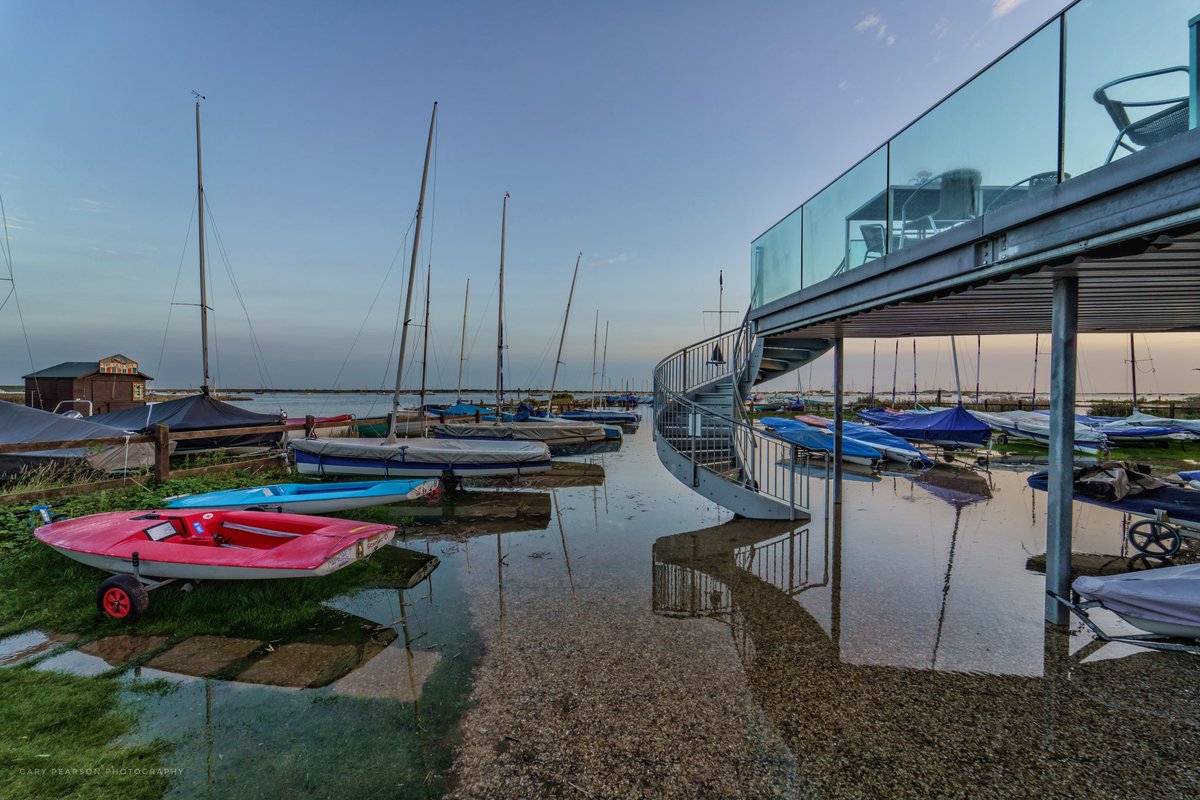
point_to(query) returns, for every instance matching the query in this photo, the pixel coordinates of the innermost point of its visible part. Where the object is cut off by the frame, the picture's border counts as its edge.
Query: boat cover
(19, 424)
(196, 412)
(1139, 418)
(428, 451)
(1190, 476)
(1166, 594)
(552, 432)
(462, 410)
(951, 425)
(821, 440)
(867, 435)
(598, 415)
(1180, 504)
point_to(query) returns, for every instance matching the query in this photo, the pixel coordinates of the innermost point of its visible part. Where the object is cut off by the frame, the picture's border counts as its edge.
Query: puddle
(200, 656)
(395, 673)
(27, 644)
(74, 662)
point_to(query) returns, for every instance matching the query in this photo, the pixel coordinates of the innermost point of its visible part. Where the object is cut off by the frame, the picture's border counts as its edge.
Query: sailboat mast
(595, 341)
(914, 374)
(954, 355)
(562, 337)
(462, 347)
(604, 364)
(412, 274)
(895, 371)
(1133, 372)
(500, 316)
(874, 344)
(203, 282)
(424, 346)
(978, 363)
(1037, 340)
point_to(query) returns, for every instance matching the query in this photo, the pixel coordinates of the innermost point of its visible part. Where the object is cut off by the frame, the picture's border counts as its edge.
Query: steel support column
(838, 368)
(1063, 327)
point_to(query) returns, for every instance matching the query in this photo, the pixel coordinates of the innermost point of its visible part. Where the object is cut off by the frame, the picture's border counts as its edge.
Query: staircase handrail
(672, 380)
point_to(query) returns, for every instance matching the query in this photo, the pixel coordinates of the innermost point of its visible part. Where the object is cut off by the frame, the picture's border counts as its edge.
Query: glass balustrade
(1100, 81)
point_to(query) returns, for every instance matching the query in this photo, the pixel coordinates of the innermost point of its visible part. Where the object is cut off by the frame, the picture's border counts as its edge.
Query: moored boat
(419, 457)
(310, 498)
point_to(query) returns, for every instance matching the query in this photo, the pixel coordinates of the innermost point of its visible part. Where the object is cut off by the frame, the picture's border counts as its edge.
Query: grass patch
(42, 589)
(67, 723)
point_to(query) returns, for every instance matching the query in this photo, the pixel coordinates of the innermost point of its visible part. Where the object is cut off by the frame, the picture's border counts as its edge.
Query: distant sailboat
(521, 426)
(417, 457)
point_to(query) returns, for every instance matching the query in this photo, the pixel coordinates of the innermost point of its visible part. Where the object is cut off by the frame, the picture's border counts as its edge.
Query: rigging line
(16, 297)
(256, 352)
(370, 309)
(483, 317)
(174, 292)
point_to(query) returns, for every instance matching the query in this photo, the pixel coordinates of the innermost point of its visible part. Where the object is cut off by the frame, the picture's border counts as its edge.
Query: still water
(605, 632)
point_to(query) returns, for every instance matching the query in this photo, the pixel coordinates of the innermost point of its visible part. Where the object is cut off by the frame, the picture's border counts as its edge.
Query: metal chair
(958, 201)
(873, 238)
(1150, 130)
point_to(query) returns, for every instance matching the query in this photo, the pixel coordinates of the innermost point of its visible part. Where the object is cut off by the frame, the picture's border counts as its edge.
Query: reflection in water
(870, 730)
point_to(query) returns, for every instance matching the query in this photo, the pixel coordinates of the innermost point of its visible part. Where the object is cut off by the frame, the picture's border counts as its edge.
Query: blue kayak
(310, 498)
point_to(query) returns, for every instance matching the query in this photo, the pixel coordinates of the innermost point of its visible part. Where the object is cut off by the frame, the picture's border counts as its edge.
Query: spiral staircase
(703, 432)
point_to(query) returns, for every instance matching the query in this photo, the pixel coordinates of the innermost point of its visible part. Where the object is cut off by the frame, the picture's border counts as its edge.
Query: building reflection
(891, 730)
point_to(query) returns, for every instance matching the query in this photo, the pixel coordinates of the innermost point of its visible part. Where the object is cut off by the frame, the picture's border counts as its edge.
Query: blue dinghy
(822, 441)
(310, 498)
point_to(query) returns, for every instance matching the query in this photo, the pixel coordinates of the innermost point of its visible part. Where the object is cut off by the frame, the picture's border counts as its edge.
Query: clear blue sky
(658, 139)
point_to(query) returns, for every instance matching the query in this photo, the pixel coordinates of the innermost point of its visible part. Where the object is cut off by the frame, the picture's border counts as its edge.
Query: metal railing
(727, 445)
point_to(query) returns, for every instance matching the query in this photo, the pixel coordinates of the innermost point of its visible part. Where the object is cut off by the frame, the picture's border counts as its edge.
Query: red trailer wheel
(123, 598)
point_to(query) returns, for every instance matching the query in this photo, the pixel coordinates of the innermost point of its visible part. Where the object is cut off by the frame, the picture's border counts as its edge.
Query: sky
(657, 140)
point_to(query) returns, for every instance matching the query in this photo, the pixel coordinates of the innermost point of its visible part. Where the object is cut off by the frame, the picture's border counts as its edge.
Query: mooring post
(838, 367)
(1063, 332)
(310, 426)
(162, 453)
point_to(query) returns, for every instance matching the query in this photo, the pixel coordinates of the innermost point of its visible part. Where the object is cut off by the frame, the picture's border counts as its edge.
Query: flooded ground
(604, 632)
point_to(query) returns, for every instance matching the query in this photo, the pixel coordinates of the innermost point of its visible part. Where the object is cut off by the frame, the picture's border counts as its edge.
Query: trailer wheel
(123, 598)
(1153, 538)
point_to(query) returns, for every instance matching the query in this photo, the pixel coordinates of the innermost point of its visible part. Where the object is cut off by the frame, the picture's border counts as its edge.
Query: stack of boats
(893, 435)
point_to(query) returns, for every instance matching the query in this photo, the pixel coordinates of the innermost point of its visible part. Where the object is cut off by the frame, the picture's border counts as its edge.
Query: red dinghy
(215, 545)
(206, 545)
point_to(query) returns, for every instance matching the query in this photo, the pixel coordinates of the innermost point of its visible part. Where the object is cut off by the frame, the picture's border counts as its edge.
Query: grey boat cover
(428, 451)
(1167, 594)
(19, 424)
(553, 433)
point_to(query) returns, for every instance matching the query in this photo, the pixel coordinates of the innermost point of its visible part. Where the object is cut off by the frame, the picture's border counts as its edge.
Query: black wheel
(123, 598)
(1154, 538)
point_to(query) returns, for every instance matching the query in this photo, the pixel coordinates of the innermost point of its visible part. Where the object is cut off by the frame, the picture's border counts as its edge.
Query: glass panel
(844, 224)
(991, 143)
(775, 261)
(1126, 75)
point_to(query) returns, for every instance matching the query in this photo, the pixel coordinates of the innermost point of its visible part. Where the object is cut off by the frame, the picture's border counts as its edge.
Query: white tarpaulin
(1167, 594)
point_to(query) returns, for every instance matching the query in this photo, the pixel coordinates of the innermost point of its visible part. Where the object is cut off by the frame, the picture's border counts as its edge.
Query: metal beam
(1063, 335)
(839, 358)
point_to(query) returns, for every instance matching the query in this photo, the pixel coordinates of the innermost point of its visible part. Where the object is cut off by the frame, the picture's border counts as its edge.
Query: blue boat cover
(1180, 504)
(954, 424)
(1190, 476)
(464, 409)
(815, 439)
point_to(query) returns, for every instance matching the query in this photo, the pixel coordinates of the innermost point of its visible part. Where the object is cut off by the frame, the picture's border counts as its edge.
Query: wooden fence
(161, 439)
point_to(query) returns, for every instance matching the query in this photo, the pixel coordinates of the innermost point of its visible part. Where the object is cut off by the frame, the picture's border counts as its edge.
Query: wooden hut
(89, 387)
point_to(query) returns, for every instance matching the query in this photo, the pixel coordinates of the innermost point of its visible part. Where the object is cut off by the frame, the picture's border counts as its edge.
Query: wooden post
(162, 453)
(310, 423)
